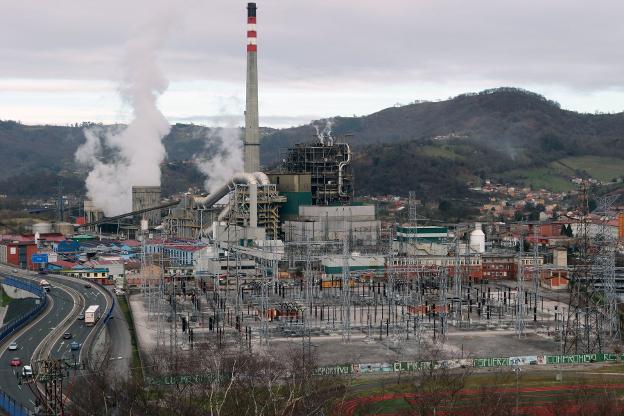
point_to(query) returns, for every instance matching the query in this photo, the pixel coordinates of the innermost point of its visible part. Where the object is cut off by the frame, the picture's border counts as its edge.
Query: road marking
(30, 400)
(18, 386)
(30, 339)
(60, 346)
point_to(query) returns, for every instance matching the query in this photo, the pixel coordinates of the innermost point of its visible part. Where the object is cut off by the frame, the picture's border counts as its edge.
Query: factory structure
(288, 252)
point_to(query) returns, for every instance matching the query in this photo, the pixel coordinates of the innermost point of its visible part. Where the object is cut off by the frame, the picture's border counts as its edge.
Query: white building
(334, 223)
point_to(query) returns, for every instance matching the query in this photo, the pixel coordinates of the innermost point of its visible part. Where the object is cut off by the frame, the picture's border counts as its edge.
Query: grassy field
(135, 364)
(4, 298)
(601, 168)
(533, 381)
(538, 178)
(445, 152)
(556, 175)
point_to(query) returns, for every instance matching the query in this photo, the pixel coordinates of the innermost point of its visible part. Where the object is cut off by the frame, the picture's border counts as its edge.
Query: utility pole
(50, 374)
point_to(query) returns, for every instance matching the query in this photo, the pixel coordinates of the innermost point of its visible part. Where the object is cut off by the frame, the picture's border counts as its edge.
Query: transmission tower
(264, 305)
(520, 294)
(582, 327)
(417, 301)
(536, 265)
(604, 268)
(443, 296)
(50, 374)
(346, 288)
(391, 291)
(457, 280)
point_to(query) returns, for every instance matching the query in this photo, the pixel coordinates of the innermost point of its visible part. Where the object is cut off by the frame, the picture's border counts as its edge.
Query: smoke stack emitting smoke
(230, 156)
(137, 149)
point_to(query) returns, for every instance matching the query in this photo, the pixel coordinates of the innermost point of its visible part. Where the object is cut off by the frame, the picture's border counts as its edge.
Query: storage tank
(65, 228)
(42, 228)
(477, 239)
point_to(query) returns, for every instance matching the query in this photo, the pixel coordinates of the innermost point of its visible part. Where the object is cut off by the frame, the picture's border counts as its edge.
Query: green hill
(435, 148)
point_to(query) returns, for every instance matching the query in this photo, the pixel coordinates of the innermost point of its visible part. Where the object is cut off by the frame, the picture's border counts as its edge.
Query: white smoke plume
(125, 156)
(324, 135)
(226, 146)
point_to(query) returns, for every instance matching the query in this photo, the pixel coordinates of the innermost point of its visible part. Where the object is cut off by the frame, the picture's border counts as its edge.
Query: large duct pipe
(262, 178)
(252, 129)
(216, 196)
(251, 179)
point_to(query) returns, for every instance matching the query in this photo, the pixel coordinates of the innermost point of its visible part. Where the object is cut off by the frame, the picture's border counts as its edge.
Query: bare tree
(230, 383)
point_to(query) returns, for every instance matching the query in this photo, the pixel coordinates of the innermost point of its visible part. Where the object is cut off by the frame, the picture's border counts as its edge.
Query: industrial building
(356, 223)
(144, 197)
(328, 165)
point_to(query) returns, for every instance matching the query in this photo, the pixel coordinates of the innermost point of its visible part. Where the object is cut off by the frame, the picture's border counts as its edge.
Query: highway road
(67, 298)
(120, 350)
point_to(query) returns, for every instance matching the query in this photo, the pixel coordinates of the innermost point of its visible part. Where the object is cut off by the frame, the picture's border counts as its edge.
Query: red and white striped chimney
(252, 129)
(251, 28)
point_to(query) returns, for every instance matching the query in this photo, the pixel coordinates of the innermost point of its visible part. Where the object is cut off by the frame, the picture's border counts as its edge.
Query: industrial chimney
(252, 130)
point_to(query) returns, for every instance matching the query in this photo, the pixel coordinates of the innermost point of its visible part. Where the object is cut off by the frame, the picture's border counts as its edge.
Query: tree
(437, 386)
(234, 382)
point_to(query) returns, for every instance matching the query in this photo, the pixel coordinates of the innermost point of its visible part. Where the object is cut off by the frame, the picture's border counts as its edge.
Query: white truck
(92, 315)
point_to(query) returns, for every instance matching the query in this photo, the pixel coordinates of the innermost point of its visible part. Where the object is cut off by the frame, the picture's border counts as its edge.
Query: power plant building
(144, 197)
(329, 167)
(334, 223)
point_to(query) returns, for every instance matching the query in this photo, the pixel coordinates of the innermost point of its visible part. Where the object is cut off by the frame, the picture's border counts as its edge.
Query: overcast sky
(60, 61)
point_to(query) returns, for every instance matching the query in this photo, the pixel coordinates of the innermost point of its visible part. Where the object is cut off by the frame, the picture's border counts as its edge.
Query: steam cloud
(227, 159)
(120, 157)
(324, 135)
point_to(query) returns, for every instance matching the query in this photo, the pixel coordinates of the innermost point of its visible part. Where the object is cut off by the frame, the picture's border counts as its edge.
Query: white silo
(477, 239)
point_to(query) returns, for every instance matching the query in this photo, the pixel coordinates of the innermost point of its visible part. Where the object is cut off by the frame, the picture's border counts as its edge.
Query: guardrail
(11, 406)
(110, 311)
(16, 323)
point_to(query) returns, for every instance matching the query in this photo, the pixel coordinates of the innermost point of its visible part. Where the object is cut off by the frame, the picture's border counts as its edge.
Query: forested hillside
(435, 148)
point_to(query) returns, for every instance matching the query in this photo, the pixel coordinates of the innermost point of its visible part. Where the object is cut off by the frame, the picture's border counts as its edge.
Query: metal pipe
(253, 205)
(240, 178)
(341, 166)
(262, 178)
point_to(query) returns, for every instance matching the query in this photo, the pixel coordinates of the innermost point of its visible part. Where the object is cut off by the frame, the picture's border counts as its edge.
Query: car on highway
(74, 346)
(27, 371)
(67, 335)
(87, 286)
(81, 316)
(13, 346)
(119, 292)
(15, 362)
